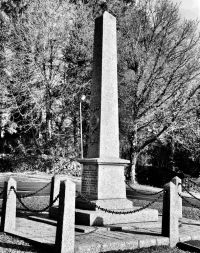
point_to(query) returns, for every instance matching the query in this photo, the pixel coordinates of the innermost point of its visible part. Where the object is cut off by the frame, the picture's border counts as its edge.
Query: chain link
(34, 193)
(193, 183)
(118, 212)
(184, 188)
(143, 193)
(193, 205)
(33, 210)
(186, 179)
(1, 193)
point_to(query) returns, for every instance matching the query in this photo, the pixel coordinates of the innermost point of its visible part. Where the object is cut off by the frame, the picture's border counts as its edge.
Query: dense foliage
(46, 65)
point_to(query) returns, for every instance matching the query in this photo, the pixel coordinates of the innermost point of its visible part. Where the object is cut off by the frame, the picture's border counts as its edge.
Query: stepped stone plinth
(103, 171)
(103, 180)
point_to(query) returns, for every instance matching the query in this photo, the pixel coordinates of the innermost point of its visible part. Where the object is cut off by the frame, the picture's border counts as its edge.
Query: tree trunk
(133, 141)
(134, 157)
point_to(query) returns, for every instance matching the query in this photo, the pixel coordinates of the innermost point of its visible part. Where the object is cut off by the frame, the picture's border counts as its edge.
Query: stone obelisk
(104, 121)
(103, 170)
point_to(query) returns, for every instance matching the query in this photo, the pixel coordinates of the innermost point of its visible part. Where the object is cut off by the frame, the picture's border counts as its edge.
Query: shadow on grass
(153, 249)
(191, 223)
(141, 232)
(187, 247)
(16, 244)
(26, 248)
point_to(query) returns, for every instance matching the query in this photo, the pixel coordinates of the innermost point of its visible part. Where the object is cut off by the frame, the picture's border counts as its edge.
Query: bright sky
(190, 9)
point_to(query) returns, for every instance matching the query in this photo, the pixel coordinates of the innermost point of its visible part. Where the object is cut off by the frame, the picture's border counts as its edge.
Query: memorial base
(103, 178)
(101, 218)
(104, 203)
(103, 183)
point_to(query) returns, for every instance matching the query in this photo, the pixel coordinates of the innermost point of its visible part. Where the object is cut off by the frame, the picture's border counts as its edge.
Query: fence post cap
(11, 180)
(67, 182)
(170, 184)
(176, 178)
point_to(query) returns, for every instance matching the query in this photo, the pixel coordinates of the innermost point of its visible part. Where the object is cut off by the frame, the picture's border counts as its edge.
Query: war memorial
(103, 170)
(100, 218)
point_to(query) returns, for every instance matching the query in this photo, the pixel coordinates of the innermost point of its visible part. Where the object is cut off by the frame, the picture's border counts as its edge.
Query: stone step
(49, 221)
(100, 218)
(105, 203)
(53, 222)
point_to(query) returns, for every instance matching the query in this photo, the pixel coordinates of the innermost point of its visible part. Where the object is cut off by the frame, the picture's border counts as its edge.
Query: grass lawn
(10, 244)
(161, 249)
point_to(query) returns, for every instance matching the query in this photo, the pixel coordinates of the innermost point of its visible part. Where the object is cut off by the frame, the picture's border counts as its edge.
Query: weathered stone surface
(177, 182)
(104, 203)
(104, 179)
(103, 170)
(195, 237)
(162, 241)
(65, 233)
(147, 243)
(104, 121)
(89, 183)
(170, 216)
(55, 187)
(184, 238)
(8, 218)
(100, 218)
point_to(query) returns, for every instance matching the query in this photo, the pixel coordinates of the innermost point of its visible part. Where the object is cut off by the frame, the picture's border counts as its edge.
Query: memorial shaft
(104, 121)
(103, 170)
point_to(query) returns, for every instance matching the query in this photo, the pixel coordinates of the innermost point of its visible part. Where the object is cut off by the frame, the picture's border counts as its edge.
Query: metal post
(81, 127)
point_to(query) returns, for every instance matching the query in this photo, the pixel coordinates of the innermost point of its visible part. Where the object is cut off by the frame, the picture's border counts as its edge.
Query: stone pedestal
(103, 184)
(103, 171)
(103, 178)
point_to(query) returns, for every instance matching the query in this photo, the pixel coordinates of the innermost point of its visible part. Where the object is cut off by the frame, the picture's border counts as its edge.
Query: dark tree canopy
(46, 65)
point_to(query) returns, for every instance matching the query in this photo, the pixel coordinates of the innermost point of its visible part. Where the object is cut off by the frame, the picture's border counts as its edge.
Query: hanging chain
(33, 210)
(191, 181)
(118, 212)
(186, 179)
(1, 193)
(143, 193)
(34, 193)
(184, 188)
(193, 205)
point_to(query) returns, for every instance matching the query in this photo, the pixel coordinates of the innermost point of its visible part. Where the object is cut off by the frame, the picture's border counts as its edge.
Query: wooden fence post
(170, 216)
(8, 218)
(65, 233)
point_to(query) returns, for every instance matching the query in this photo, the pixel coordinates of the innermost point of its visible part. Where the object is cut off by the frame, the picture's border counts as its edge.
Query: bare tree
(47, 66)
(159, 71)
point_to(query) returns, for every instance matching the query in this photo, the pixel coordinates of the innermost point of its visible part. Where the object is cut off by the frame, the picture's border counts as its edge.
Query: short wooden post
(177, 182)
(65, 233)
(8, 218)
(170, 216)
